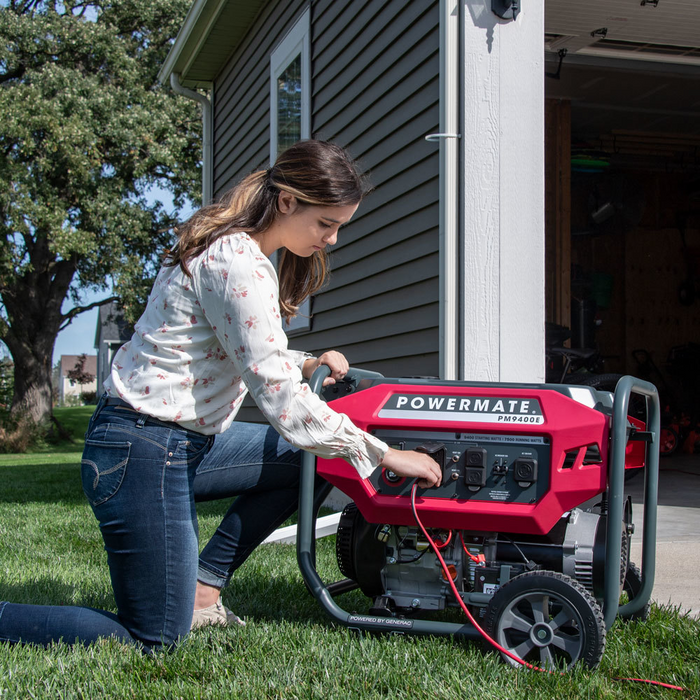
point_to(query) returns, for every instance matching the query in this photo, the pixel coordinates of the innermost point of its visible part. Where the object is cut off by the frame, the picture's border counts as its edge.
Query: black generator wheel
(546, 619)
(360, 554)
(632, 586)
(604, 382)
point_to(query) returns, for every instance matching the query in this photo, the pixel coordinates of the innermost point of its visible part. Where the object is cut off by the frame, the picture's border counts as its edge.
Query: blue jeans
(142, 478)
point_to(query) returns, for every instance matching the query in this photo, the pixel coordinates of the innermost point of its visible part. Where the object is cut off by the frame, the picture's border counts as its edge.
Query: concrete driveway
(677, 579)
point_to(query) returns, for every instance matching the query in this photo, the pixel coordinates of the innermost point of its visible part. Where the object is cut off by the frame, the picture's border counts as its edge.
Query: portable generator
(529, 531)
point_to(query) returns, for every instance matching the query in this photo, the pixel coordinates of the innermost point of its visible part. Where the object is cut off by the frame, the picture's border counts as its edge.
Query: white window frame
(296, 42)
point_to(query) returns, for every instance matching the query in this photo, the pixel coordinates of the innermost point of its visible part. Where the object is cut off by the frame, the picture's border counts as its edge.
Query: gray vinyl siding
(375, 90)
(242, 97)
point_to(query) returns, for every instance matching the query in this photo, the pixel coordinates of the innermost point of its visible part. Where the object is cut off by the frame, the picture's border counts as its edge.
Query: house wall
(381, 306)
(104, 362)
(502, 217)
(242, 97)
(67, 388)
(105, 354)
(111, 333)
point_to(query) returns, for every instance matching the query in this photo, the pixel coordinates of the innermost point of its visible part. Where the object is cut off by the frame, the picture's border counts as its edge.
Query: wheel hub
(541, 634)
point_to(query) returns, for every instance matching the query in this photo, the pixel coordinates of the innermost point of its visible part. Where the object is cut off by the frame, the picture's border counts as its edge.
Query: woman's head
(318, 172)
(308, 178)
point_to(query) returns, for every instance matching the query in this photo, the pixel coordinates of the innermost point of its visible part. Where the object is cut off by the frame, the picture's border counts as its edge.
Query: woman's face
(305, 229)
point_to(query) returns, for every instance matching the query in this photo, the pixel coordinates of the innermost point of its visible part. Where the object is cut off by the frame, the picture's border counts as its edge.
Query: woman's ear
(286, 203)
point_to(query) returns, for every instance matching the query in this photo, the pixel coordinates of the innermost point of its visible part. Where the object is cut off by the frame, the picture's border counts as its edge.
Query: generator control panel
(481, 467)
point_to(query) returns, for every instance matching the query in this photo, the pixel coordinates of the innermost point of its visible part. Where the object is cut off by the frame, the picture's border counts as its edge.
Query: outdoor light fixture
(506, 9)
(562, 55)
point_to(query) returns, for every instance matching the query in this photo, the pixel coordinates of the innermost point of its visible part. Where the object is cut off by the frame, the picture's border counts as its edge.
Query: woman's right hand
(413, 465)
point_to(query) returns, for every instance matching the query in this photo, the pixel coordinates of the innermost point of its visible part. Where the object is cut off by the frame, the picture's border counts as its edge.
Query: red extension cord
(465, 609)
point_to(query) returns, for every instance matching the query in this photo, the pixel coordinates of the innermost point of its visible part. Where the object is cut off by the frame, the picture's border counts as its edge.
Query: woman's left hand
(336, 362)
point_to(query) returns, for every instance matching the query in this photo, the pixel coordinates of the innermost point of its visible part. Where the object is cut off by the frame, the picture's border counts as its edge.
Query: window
(290, 87)
(290, 111)
(289, 105)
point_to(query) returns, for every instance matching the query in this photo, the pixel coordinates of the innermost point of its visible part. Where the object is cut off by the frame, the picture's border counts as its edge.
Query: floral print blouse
(204, 341)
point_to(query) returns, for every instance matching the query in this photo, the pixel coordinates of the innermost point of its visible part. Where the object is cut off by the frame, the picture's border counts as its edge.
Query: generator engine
(394, 564)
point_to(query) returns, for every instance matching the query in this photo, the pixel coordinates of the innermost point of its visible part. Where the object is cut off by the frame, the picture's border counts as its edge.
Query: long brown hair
(316, 173)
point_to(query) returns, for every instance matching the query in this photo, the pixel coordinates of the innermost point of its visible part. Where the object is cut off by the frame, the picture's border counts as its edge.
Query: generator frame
(310, 500)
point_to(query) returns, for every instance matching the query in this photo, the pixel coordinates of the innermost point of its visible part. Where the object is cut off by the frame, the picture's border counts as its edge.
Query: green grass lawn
(51, 552)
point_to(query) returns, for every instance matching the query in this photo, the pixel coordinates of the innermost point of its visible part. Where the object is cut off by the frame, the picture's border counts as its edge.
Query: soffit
(212, 31)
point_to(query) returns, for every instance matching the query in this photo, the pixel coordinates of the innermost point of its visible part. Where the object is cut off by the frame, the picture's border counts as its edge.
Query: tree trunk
(33, 391)
(33, 304)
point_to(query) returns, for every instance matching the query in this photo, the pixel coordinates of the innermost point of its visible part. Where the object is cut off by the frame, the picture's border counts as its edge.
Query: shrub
(89, 398)
(19, 432)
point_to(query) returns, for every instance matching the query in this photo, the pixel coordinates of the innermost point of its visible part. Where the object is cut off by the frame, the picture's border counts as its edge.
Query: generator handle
(353, 376)
(306, 558)
(316, 381)
(616, 484)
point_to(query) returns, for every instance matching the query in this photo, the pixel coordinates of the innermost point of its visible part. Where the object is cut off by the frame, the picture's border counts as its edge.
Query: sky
(79, 337)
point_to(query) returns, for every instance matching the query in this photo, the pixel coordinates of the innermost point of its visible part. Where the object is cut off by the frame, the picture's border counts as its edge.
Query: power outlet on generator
(475, 467)
(525, 470)
(437, 451)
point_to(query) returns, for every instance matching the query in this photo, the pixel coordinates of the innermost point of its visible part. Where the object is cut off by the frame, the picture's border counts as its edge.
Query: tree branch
(24, 6)
(28, 242)
(13, 74)
(68, 318)
(60, 277)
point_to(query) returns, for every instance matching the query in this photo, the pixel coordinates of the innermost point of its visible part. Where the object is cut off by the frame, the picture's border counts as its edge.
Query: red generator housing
(514, 458)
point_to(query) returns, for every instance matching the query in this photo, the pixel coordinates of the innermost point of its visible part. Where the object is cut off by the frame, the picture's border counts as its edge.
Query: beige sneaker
(216, 614)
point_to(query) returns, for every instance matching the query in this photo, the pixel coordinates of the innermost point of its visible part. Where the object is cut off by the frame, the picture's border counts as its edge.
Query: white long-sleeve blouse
(204, 341)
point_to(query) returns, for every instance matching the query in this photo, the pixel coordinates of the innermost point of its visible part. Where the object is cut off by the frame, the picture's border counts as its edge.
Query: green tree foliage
(86, 132)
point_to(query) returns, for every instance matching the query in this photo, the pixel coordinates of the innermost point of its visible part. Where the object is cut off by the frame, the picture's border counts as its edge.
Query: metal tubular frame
(616, 482)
